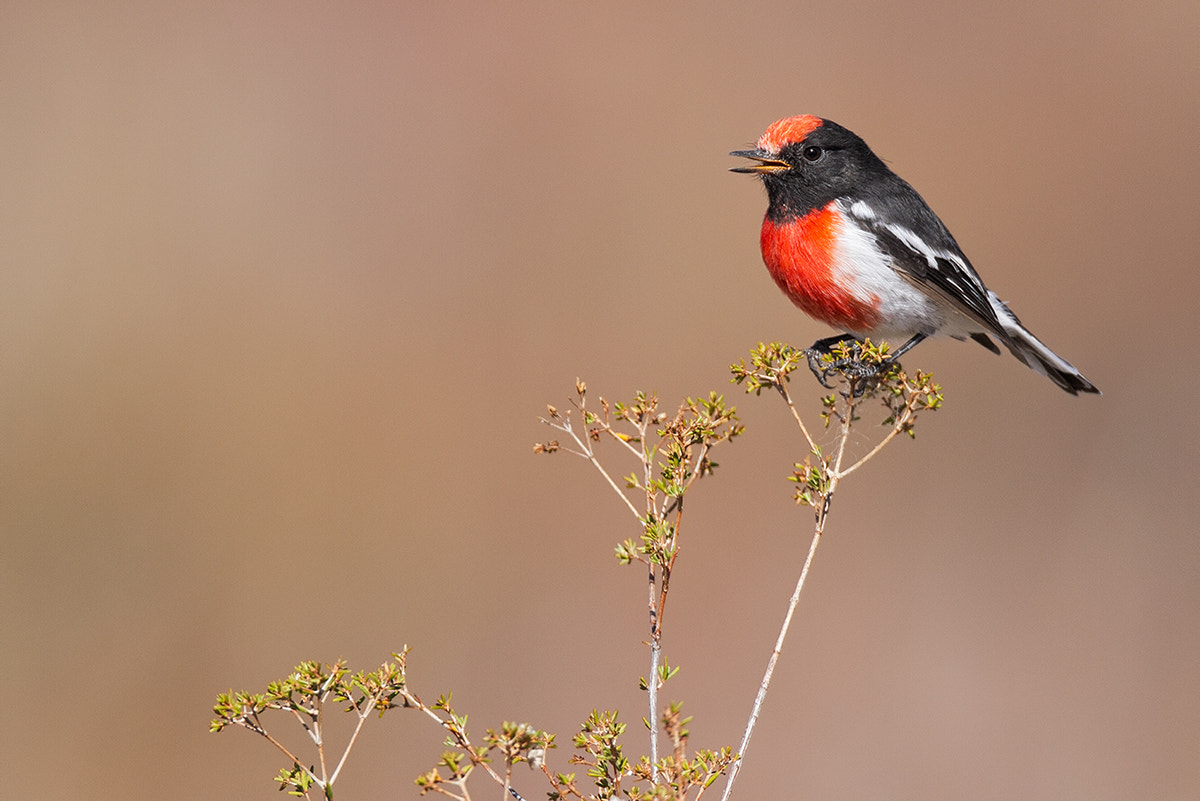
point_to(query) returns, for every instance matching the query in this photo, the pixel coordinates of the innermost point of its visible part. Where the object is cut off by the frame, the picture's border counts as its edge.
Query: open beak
(767, 162)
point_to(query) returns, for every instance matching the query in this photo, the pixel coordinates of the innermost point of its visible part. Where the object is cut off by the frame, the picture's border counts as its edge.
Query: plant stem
(766, 679)
(363, 713)
(832, 475)
(652, 692)
(787, 398)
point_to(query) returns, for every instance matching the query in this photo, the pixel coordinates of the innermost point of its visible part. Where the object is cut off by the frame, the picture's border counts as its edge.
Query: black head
(805, 162)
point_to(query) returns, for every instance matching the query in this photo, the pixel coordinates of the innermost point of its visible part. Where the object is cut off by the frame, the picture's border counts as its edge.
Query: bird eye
(812, 153)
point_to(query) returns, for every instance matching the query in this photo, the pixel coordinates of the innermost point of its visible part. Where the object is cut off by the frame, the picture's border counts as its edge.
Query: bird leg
(916, 339)
(851, 366)
(822, 369)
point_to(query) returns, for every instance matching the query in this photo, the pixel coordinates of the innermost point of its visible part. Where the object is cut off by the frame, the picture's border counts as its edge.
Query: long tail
(1030, 350)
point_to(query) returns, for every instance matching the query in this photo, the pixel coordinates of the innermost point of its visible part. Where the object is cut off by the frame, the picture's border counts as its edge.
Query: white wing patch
(947, 270)
(861, 210)
(919, 245)
(870, 274)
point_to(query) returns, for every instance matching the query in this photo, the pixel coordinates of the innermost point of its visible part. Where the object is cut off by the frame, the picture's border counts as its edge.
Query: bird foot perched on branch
(858, 361)
(848, 357)
(838, 354)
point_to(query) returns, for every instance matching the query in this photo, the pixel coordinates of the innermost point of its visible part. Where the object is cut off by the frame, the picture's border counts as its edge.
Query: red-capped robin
(853, 245)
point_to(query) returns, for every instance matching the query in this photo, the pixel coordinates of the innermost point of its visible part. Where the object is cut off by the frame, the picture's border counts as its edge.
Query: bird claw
(825, 359)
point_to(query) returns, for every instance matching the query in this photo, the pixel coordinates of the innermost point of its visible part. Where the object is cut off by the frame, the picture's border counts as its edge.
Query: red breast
(801, 255)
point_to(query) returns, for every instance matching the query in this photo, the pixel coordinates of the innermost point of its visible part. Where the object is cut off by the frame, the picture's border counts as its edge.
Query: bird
(854, 246)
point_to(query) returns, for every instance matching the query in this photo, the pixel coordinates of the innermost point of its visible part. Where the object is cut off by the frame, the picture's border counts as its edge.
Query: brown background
(285, 287)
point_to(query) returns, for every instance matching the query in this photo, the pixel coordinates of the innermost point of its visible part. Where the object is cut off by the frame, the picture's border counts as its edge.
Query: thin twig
(833, 476)
(695, 474)
(787, 398)
(411, 699)
(596, 463)
(295, 760)
(652, 691)
(669, 567)
(654, 593)
(586, 452)
(899, 425)
(363, 714)
(766, 679)
(890, 436)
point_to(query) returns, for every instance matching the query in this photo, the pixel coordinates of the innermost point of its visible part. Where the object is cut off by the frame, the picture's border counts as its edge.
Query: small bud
(553, 412)
(580, 386)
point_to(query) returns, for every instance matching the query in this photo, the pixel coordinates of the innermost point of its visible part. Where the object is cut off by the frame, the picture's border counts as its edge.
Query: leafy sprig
(307, 694)
(670, 452)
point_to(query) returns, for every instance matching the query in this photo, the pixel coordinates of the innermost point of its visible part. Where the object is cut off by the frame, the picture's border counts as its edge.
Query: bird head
(782, 135)
(807, 161)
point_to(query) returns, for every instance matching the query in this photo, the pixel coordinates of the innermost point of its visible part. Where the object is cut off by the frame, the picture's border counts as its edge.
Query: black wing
(926, 253)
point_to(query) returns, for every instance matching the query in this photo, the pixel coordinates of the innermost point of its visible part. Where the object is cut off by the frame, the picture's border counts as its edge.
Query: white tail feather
(1030, 350)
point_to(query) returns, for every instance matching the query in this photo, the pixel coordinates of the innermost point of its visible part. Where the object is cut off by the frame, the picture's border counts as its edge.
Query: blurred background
(287, 285)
